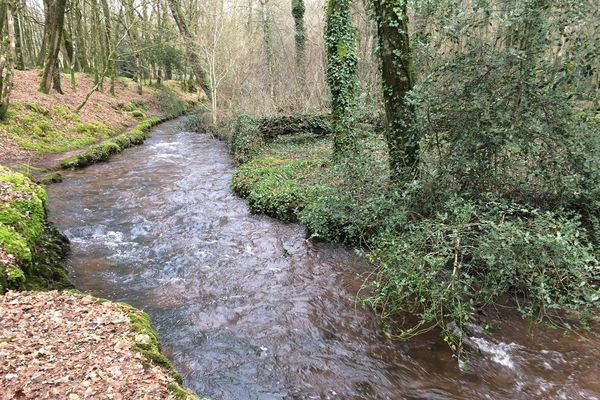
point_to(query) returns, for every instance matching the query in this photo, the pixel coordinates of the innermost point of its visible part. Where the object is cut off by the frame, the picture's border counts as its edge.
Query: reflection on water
(248, 309)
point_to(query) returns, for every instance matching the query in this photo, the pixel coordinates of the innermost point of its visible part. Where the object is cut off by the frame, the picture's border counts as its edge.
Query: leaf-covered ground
(38, 125)
(57, 345)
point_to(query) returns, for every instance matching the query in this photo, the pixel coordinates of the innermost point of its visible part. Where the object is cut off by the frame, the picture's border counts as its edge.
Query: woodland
(454, 143)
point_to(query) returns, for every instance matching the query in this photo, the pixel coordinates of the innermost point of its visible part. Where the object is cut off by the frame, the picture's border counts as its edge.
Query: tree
(191, 53)
(266, 22)
(342, 68)
(7, 58)
(109, 44)
(300, 35)
(55, 23)
(397, 78)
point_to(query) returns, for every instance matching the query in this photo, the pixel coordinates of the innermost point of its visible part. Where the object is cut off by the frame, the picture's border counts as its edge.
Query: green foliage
(500, 117)
(199, 120)
(445, 268)
(285, 177)
(171, 104)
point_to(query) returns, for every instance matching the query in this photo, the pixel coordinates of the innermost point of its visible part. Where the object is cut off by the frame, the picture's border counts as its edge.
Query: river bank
(41, 135)
(451, 264)
(43, 335)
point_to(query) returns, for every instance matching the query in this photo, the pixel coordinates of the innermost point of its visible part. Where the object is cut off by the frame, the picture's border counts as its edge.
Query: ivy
(342, 69)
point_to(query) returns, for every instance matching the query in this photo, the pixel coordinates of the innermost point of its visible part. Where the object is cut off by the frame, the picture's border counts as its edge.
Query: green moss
(15, 277)
(103, 151)
(66, 113)
(14, 243)
(94, 128)
(35, 131)
(39, 109)
(149, 346)
(25, 234)
(137, 114)
(51, 177)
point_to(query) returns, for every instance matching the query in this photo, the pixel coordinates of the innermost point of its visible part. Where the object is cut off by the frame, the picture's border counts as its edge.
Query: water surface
(248, 309)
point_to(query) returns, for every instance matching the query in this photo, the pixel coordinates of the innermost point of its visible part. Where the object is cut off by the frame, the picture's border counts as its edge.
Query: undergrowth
(440, 255)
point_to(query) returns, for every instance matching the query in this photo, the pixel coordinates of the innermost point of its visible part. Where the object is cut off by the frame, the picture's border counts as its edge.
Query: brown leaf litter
(58, 345)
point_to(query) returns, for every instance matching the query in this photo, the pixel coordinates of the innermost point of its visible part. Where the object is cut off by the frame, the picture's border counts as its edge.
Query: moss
(149, 346)
(15, 277)
(25, 234)
(14, 244)
(39, 109)
(34, 129)
(66, 113)
(137, 114)
(102, 151)
(51, 177)
(95, 128)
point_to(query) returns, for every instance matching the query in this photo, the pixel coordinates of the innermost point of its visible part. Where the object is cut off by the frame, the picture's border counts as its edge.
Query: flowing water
(248, 309)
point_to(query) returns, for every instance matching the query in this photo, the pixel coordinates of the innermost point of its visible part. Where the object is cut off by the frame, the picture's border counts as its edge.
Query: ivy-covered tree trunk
(342, 69)
(7, 57)
(397, 79)
(50, 74)
(191, 53)
(300, 37)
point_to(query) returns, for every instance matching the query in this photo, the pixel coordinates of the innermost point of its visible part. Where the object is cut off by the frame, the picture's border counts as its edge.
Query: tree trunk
(268, 41)
(47, 19)
(19, 62)
(7, 59)
(51, 73)
(300, 36)
(342, 70)
(191, 53)
(397, 77)
(110, 46)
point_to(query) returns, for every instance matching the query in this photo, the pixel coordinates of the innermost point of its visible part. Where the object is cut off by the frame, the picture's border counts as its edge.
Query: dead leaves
(56, 345)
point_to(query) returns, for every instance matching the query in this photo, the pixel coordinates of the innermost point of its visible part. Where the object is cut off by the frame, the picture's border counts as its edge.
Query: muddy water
(247, 309)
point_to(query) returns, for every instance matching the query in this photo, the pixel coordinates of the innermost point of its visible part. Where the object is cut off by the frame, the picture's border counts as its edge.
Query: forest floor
(61, 345)
(41, 129)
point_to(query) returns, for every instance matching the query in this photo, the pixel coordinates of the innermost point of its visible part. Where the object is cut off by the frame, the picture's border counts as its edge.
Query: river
(248, 309)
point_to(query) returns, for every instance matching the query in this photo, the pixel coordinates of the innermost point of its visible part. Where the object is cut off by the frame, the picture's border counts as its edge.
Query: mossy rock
(25, 234)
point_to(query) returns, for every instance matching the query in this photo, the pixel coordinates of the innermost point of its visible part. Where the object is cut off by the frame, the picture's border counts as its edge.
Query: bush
(446, 268)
